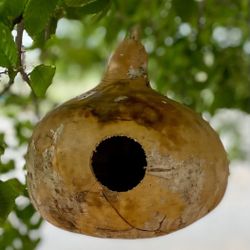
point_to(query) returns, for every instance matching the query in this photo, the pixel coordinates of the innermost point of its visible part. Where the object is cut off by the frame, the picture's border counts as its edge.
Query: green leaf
(10, 10)
(9, 191)
(8, 50)
(1, 150)
(41, 38)
(37, 14)
(3, 59)
(2, 145)
(185, 9)
(6, 167)
(77, 3)
(41, 78)
(92, 7)
(95, 6)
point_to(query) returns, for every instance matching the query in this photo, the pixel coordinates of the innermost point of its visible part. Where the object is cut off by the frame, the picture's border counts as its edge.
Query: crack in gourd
(128, 223)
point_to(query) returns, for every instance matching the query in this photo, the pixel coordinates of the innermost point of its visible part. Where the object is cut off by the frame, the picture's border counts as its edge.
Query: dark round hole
(119, 163)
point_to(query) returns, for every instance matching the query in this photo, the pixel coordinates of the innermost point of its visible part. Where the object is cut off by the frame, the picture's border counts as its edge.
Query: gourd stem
(129, 60)
(135, 32)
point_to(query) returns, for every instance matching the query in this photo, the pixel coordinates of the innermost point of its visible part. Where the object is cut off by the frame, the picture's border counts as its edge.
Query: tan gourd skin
(187, 167)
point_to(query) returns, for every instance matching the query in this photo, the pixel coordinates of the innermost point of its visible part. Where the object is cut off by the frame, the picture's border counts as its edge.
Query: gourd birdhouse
(123, 161)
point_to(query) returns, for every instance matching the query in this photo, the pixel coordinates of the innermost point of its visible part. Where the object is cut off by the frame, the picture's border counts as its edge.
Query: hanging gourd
(123, 161)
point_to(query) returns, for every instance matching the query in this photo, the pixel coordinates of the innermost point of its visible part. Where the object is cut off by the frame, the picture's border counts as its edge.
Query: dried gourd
(123, 161)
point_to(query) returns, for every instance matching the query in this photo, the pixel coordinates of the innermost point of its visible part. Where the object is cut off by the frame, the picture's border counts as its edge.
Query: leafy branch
(39, 18)
(19, 68)
(19, 44)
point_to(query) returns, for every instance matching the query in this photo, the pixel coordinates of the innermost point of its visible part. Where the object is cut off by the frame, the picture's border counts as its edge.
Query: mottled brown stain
(94, 199)
(111, 195)
(87, 113)
(174, 120)
(176, 139)
(106, 110)
(43, 141)
(61, 219)
(57, 191)
(81, 196)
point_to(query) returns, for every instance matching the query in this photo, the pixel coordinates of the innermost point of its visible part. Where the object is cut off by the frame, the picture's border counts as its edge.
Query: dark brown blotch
(81, 196)
(131, 109)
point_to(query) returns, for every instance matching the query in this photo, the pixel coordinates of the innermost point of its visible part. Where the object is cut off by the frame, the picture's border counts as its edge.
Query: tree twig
(135, 32)
(19, 44)
(11, 74)
(7, 87)
(20, 66)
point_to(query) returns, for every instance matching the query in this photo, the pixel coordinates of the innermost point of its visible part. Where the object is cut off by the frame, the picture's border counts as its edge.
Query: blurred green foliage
(9, 191)
(199, 54)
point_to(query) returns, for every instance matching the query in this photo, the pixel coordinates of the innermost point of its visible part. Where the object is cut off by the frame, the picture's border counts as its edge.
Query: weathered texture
(186, 172)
